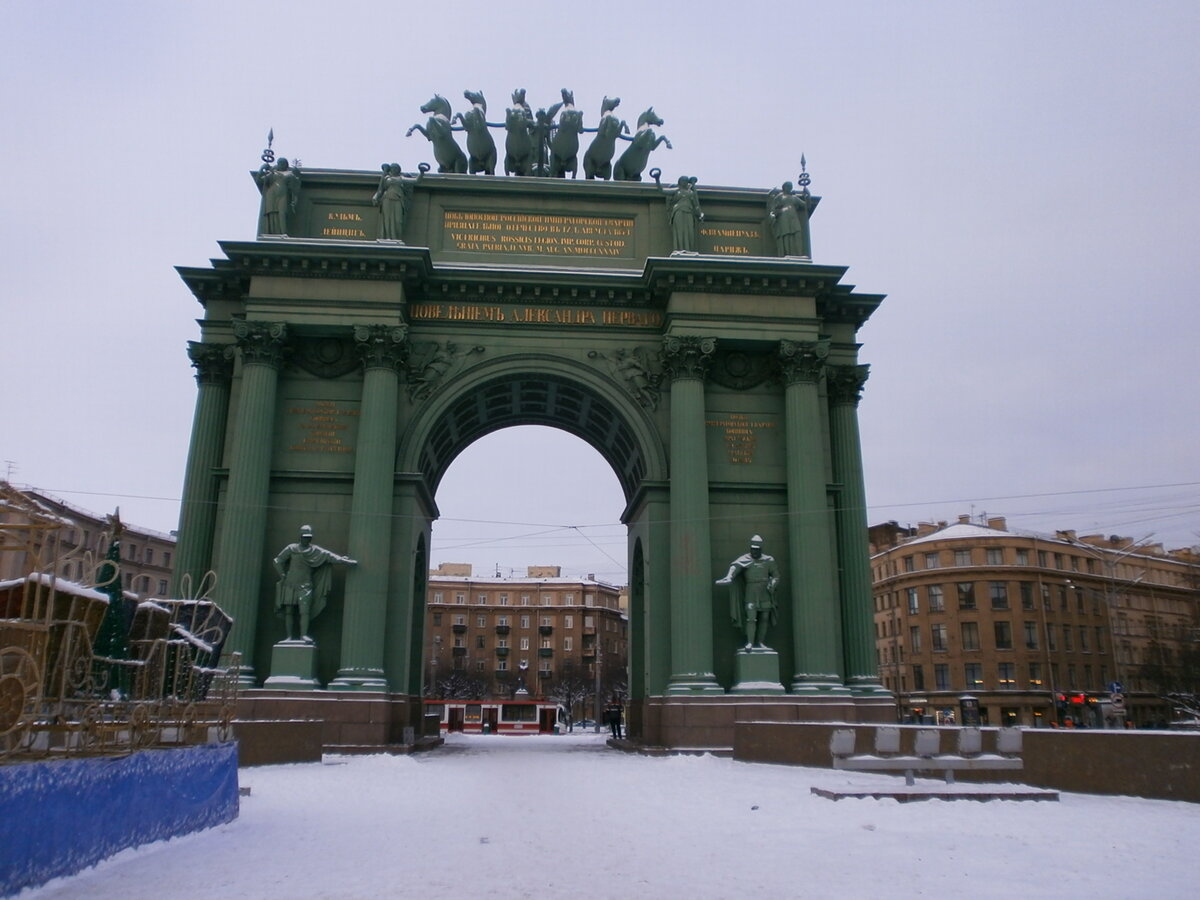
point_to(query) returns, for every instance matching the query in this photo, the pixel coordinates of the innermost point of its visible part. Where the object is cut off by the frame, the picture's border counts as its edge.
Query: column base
(359, 680)
(293, 666)
(822, 685)
(690, 685)
(866, 685)
(756, 671)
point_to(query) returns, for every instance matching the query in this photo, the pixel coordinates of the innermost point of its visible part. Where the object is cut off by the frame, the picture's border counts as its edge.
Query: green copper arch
(534, 390)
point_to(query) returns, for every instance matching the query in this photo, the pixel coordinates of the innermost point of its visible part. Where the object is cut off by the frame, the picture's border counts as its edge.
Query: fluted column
(383, 349)
(198, 510)
(816, 620)
(240, 557)
(845, 384)
(686, 360)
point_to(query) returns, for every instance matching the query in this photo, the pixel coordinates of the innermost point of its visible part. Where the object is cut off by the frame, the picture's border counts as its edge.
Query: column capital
(382, 346)
(802, 361)
(213, 362)
(264, 343)
(846, 384)
(688, 357)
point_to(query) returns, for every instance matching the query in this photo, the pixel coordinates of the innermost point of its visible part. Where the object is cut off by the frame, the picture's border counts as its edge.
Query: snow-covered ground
(565, 816)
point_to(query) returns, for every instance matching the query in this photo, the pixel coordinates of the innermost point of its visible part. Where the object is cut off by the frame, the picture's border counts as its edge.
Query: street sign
(1118, 703)
(1115, 687)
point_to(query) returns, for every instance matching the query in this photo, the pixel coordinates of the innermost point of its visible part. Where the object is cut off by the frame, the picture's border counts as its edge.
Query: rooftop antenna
(10, 467)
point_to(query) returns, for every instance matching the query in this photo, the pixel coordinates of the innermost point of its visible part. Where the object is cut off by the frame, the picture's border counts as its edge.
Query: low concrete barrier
(1156, 764)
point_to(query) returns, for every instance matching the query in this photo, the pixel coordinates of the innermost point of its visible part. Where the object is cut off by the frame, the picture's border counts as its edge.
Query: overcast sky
(1019, 178)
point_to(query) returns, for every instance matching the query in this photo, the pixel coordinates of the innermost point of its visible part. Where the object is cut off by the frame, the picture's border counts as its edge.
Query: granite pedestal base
(756, 671)
(294, 666)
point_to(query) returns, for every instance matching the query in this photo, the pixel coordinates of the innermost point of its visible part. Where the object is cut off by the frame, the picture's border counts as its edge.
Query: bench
(927, 755)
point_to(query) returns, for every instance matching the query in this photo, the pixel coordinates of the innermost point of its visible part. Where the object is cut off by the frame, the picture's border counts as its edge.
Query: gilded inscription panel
(586, 317)
(740, 433)
(321, 426)
(541, 233)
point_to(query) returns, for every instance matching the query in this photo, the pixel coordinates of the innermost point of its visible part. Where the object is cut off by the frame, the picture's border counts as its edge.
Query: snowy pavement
(565, 816)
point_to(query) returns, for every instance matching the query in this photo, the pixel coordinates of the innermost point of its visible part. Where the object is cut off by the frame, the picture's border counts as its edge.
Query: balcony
(502, 629)
(545, 651)
(459, 628)
(459, 651)
(588, 652)
(502, 651)
(545, 629)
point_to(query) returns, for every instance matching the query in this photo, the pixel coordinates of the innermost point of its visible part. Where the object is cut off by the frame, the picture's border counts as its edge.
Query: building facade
(1041, 630)
(77, 544)
(558, 637)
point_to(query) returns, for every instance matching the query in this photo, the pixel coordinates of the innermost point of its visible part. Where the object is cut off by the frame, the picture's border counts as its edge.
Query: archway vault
(534, 390)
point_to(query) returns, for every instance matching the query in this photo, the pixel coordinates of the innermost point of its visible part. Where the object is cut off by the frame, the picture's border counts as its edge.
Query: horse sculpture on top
(440, 132)
(597, 162)
(633, 161)
(564, 145)
(480, 146)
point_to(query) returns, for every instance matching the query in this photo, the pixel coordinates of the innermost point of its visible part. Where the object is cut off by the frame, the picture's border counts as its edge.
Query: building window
(1031, 635)
(1041, 555)
(502, 620)
(545, 643)
(479, 645)
(914, 638)
(149, 556)
(1051, 637)
(547, 599)
(1003, 631)
(524, 643)
(481, 600)
(166, 558)
(481, 621)
(524, 621)
(568, 621)
(909, 564)
(962, 557)
(1046, 597)
(970, 635)
(479, 665)
(999, 594)
(973, 673)
(460, 599)
(918, 674)
(1079, 599)
(1067, 642)
(1074, 563)
(914, 605)
(1026, 588)
(437, 618)
(941, 677)
(1022, 557)
(568, 644)
(931, 561)
(502, 664)
(524, 599)
(966, 595)
(437, 596)
(1035, 675)
(938, 636)
(995, 556)
(458, 642)
(937, 599)
(504, 599)
(162, 587)
(1072, 677)
(1099, 639)
(569, 600)
(545, 620)
(1083, 639)
(460, 620)
(1058, 560)
(502, 642)
(1007, 676)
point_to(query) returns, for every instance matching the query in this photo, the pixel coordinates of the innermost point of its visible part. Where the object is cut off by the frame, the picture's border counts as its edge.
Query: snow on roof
(517, 580)
(960, 531)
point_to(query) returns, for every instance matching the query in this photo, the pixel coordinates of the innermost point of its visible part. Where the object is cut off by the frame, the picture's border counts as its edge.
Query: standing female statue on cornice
(280, 188)
(392, 198)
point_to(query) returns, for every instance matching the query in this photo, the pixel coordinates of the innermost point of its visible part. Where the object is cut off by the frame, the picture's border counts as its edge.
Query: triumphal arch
(383, 321)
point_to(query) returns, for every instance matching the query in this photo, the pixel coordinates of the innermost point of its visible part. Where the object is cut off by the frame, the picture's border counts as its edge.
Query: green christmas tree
(112, 641)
